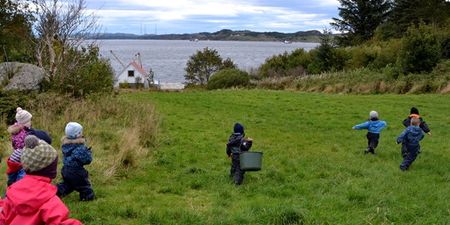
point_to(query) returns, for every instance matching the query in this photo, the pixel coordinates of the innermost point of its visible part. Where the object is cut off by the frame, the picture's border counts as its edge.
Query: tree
(15, 31)
(420, 51)
(325, 57)
(61, 25)
(203, 64)
(412, 12)
(360, 18)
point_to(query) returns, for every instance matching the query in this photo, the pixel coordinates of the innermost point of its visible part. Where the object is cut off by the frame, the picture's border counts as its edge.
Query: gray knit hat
(39, 157)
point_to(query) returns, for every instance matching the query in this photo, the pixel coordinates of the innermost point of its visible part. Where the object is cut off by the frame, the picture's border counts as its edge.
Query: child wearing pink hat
(18, 132)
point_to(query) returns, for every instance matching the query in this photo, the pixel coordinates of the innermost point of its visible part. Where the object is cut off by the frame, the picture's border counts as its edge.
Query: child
(18, 132)
(32, 200)
(76, 155)
(410, 137)
(236, 144)
(374, 127)
(414, 113)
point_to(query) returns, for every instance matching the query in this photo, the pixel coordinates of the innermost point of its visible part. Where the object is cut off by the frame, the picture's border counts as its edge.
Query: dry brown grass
(120, 133)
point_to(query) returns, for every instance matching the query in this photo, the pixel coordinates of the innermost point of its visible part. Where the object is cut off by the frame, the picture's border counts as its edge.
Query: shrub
(82, 73)
(203, 64)
(421, 50)
(228, 78)
(286, 64)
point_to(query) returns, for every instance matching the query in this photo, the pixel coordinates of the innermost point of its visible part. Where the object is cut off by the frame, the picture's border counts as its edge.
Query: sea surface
(167, 58)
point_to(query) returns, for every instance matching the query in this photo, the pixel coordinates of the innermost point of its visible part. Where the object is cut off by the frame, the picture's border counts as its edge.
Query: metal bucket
(250, 161)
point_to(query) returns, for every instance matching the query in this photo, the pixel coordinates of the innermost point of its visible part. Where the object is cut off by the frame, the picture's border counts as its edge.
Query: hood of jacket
(16, 128)
(69, 145)
(235, 139)
(414, 134)
(30, 193)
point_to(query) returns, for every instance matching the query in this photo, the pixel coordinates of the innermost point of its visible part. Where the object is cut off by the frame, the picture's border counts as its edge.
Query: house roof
(136, 66)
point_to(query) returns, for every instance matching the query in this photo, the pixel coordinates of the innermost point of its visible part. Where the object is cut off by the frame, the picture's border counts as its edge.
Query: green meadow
(314, 169)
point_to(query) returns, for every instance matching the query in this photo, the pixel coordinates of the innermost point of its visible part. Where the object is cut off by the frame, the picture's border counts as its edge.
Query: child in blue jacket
(374, 127)
(410, 138)
(76, 154)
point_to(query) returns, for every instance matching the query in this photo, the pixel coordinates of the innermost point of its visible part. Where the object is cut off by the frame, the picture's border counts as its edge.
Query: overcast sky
(192, 16)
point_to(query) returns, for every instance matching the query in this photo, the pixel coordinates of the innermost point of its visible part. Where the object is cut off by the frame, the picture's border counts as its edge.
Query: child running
(76, 155)
(410, 138)
(414, 113)
(374, 127)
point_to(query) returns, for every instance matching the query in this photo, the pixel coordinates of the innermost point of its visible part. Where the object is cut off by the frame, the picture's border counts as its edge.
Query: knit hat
(373, 114)
(23, 116)
(414, 110)
(73, 130)
(31, 141)
(39, 157)
(238, 128)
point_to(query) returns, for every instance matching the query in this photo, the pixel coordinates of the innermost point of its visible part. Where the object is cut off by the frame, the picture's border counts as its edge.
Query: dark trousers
(235, 171)
(76, 179)
(372, 141)
(411, 154)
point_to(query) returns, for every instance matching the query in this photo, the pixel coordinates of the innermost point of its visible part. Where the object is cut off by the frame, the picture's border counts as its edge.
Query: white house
(133, 75)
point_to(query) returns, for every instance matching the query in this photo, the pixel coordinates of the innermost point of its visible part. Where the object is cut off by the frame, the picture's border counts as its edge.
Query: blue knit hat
(73, 130)
(238, 128)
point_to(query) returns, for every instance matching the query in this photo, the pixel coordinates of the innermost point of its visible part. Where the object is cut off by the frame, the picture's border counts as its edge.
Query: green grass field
(314, 170)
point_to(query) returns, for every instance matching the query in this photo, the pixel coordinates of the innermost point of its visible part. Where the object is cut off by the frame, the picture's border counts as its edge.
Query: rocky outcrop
(20, 76)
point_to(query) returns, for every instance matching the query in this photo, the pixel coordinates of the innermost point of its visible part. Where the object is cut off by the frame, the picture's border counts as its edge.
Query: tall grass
(120, 134)
(366, 81)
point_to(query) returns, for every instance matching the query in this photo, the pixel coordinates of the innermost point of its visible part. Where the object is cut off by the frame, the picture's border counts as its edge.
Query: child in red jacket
(32, 200)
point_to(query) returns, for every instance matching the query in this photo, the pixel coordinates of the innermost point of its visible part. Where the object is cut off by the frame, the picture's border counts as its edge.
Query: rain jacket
(372, 126)
(33, 201)
(411, 136)
(234, 143)
(75, 152)
(18, 134)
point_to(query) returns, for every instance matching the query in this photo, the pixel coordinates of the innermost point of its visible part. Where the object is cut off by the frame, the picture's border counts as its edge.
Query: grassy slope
(314, 169)
(313, 166)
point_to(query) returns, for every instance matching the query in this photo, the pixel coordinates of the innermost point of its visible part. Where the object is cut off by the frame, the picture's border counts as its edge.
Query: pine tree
(360, 18)
(408, 12)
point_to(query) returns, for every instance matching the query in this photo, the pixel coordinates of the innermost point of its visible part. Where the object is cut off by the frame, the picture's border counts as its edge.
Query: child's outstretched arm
(402, 136)
(360, 126)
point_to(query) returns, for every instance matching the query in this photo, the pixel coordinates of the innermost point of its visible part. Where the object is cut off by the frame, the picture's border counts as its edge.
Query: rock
(24, 76)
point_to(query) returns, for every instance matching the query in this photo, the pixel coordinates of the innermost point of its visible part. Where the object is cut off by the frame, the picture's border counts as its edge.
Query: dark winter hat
(414, 110)
(238, 128)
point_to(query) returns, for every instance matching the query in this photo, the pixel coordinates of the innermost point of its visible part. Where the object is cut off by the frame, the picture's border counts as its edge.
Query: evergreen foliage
(359, 19)
(421, 50)
(15, 31)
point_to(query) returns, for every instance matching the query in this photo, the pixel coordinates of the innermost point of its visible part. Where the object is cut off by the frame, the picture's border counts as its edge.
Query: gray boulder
(20, 76)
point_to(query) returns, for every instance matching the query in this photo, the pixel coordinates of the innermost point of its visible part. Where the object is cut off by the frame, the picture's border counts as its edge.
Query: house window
(130, 73)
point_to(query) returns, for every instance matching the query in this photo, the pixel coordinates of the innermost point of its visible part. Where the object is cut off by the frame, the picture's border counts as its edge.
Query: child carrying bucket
(237, 143)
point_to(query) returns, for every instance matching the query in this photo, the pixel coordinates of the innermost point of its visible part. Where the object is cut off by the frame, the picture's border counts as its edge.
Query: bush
(83, 73)
(203, 64)
(228, 78)
(421, 50)
(293, 64)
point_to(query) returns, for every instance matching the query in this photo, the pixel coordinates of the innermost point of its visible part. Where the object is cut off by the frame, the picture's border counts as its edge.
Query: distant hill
(223, 35)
